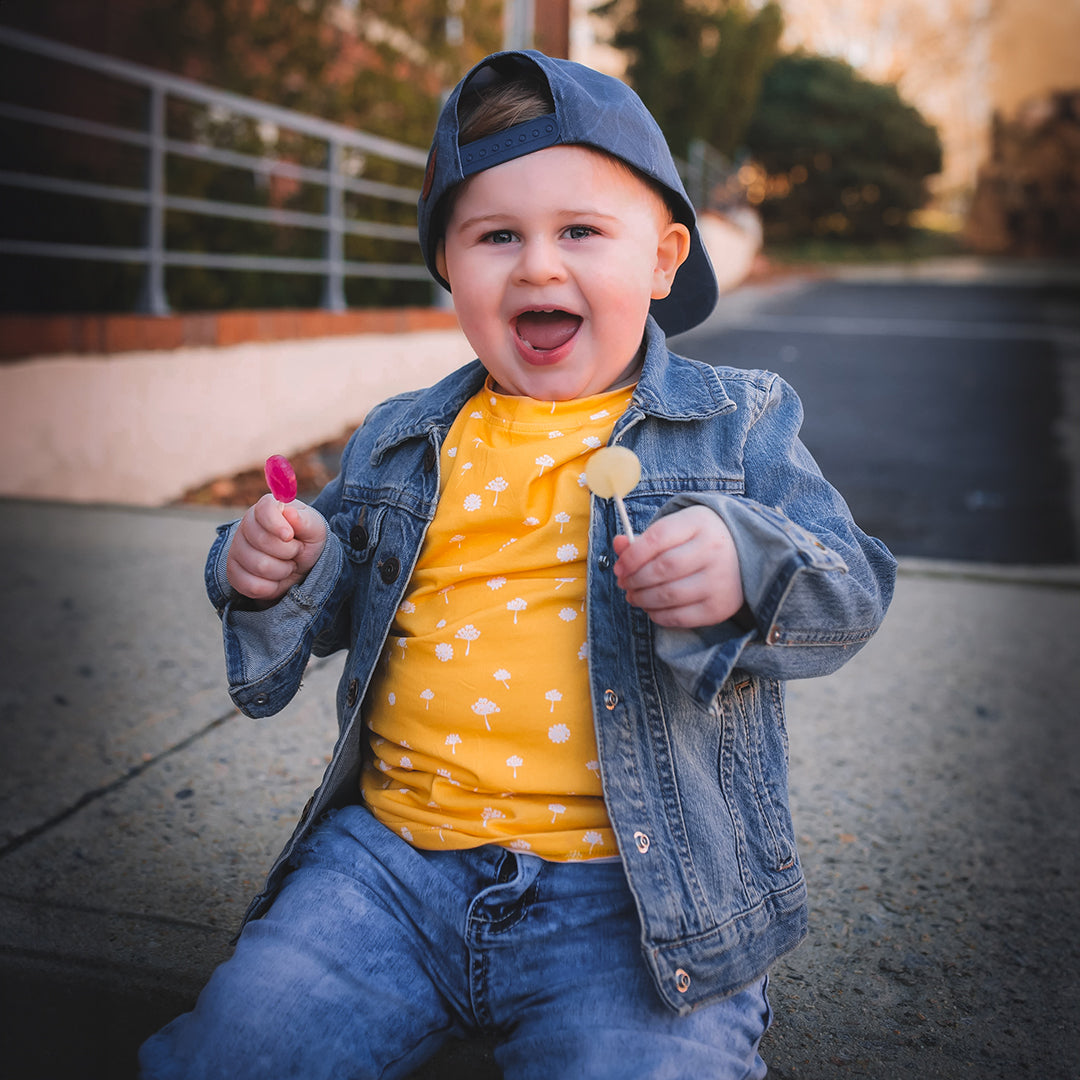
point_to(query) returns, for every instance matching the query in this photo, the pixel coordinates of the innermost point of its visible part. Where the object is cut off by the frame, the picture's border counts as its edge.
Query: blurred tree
(697, 64)
(838, 155)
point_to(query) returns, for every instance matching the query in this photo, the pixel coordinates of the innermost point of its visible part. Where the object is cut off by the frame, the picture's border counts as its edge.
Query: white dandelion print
(567, 552)
(466, 466)
(545, 461)
(391, 698)
(503, 676)
(532, 521)
(583, 652)
(407, 607)
(446, 591)
(599, 415)
(444, 651)
(516, 605)
(561, 581)
(406, 834)
(426, 696)
(458, 538)
(496, 583)
(453, 741)
(558, 733)
(406, 762)
(515, 763)
(556, 809)
(472, 502)
(483, 707)
(521, 845)
(592, 838)
(489, 814)
(451, 451)
(554, 696)
(476, 414)
(440, 624)
(555, 434)
(582, 480)
(592, 442)
(593, 767)
(468, 633)
(567, 614)
(562, 518)
(497, 484)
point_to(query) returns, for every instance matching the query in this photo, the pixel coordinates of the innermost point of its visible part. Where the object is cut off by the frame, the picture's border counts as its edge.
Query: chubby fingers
(263, 552)
(683, 570)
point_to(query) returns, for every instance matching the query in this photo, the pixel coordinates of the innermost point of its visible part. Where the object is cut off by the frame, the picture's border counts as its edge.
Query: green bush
(835, 154)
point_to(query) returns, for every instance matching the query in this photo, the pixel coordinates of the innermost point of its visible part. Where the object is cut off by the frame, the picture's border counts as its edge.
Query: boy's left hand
(683, 570)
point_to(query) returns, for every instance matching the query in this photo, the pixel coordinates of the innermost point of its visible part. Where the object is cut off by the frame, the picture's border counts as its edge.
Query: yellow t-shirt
(480, 717)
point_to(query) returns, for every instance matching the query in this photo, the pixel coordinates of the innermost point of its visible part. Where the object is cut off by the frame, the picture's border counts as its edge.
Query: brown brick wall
(23, 336)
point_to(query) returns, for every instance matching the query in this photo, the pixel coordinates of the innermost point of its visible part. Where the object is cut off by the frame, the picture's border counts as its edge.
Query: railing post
(152, 299)
(333, 297)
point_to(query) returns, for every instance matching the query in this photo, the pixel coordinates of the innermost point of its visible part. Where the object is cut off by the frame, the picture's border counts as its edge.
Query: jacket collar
(670, 387)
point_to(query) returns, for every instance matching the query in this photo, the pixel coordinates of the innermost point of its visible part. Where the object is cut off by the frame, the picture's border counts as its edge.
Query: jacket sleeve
(267, 649)
(816, 585)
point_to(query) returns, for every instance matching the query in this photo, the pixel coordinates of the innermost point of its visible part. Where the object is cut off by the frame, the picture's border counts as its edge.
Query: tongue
(547, 329)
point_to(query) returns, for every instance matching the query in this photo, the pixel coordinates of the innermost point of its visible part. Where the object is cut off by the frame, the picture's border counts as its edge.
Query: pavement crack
(94, 794)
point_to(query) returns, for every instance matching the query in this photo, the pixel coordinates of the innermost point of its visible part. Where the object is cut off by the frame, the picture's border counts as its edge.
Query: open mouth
(546, 330)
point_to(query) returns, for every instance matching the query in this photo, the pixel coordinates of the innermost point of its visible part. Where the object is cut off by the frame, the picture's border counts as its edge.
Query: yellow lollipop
(612, 472)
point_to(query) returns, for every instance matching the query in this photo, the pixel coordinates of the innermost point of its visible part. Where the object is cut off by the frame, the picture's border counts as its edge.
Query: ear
(672, 249)
(440, 259)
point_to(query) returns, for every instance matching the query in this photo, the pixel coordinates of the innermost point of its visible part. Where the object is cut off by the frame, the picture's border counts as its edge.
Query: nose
(540, 262)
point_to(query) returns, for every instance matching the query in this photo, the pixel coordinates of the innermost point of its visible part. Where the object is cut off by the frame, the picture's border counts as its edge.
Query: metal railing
(343, 145)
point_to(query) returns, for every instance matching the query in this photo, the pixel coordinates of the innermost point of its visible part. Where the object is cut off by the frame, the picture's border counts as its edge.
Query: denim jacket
(689, 723)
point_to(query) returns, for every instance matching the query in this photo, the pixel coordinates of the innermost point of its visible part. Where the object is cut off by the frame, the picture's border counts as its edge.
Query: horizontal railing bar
(209, 207)
(298, 218)
(212, 260)
(200, 152)
(83, 188)
(289, 170)
(93, 252)
(193, 91)
(73, 123)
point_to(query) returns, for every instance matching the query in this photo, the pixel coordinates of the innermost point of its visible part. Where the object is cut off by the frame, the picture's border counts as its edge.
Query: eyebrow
(509, 215)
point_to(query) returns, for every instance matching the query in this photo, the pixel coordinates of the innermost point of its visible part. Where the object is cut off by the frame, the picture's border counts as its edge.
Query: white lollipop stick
(612, 472)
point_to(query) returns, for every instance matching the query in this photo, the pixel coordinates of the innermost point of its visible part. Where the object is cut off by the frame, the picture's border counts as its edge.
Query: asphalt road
(946, 413)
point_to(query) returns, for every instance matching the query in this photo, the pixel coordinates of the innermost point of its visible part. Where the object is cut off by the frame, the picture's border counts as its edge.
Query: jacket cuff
(772, 551)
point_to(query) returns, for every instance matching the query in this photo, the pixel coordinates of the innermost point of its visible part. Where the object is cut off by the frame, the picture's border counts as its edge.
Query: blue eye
(500, 236)
(579, 232)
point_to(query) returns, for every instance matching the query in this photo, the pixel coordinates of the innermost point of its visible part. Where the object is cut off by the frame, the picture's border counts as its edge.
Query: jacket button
(774, 635)
(430, 457)
(611, 699)
(358, 537)
(261, 699)
(642, 841)
(604, 562)
(682, 981)
(352, 693)
(389, 570)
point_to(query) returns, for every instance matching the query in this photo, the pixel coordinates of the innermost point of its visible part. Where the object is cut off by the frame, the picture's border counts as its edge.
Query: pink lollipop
(281, 478)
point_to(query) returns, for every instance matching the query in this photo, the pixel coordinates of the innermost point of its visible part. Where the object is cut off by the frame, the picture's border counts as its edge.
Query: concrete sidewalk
(936, 789)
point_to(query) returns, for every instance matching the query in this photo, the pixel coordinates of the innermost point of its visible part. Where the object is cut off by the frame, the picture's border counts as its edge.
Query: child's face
(553, 259)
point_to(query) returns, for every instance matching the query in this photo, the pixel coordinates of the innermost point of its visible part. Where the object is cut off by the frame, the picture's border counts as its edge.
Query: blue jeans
(374, 954)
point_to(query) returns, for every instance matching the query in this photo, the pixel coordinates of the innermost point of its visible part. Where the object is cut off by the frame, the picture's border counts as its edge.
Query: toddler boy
(557, 809)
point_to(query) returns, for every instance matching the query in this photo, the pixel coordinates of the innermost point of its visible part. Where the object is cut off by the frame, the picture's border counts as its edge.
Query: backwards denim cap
(591, 109)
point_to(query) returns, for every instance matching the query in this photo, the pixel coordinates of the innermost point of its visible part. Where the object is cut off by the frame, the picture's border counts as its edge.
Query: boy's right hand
(274, 548)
